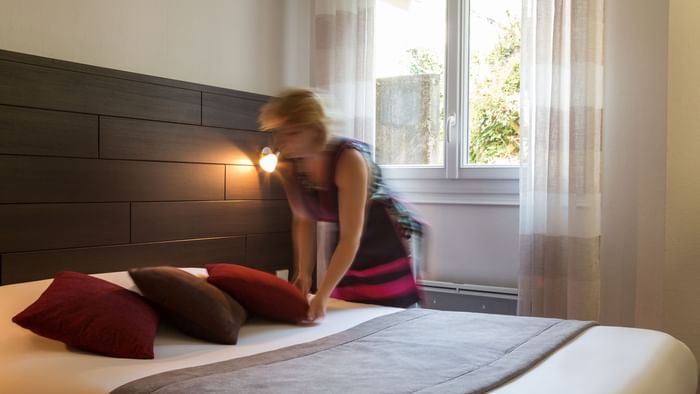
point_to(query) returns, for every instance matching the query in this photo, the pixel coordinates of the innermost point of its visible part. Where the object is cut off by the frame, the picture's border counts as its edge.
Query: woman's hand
(303, 283)
(317, 308)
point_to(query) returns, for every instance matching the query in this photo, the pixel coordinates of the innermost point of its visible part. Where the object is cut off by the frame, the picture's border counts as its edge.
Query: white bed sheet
(600, 360)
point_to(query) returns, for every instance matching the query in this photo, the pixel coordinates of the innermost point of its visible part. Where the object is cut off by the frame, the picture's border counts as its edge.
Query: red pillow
(259, 292)
(94, 315)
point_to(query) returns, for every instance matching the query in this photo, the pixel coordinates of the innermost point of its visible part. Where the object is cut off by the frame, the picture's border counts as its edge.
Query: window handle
(449, 125)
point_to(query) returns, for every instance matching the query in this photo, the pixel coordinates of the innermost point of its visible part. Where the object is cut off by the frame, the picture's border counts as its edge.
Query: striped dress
(381, 272)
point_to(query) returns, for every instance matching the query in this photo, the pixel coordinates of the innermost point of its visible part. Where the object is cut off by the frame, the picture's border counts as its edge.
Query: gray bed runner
(412, 351)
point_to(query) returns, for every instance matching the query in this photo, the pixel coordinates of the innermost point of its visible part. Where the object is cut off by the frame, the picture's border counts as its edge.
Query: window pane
(409, 61)
(494, 82)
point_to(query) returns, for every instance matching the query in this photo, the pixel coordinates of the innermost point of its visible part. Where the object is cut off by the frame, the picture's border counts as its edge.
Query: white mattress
(601, 360)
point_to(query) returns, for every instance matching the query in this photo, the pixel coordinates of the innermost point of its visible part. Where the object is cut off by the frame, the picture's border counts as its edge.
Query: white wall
(476, 244)
(235, 44)
(297, 43)
(682, 274)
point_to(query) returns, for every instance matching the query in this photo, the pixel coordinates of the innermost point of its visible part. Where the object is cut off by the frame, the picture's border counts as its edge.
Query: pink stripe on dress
(395, 265)
(395, 288)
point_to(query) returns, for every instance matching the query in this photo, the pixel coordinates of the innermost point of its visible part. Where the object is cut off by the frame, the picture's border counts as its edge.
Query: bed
(598, 360)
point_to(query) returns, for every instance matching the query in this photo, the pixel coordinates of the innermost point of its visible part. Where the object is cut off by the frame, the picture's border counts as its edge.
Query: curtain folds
(561, 122)
(342, 64)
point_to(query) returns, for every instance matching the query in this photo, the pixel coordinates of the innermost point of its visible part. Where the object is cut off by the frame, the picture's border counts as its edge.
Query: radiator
(467, 297)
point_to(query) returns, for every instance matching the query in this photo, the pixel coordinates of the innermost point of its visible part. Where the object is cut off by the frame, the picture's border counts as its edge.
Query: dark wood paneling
(50, 226)
(50, 88)
(38, 179)
(230, 112)
(21, 267)
(108, 72)
(151, 169)
(182, 220)
(251, 183)
(37, 132)
(147, 140)
(272, 251)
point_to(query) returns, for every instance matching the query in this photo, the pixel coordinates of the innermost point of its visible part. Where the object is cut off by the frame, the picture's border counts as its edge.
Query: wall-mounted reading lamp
(268, 160)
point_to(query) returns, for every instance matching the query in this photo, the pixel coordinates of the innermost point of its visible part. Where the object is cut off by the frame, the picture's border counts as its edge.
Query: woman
(335, 180)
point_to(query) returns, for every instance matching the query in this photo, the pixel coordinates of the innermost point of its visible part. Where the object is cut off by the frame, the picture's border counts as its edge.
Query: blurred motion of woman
(335, 180)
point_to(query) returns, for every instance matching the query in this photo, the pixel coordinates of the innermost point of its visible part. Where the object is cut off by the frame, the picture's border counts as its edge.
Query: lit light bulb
(268, 160)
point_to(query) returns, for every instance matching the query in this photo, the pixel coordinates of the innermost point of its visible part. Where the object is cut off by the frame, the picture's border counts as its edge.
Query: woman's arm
(351, 179)
(304, 238)
(303, 232)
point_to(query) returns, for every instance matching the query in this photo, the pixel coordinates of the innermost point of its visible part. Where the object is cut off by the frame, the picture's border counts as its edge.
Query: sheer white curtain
(342, 63)
(561, 120)
(342, 73)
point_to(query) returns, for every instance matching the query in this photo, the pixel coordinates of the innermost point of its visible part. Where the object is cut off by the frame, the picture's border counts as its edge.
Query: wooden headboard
(102, 170)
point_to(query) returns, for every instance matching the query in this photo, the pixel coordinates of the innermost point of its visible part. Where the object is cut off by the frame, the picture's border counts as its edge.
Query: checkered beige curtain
(342, 64)
(561, 121)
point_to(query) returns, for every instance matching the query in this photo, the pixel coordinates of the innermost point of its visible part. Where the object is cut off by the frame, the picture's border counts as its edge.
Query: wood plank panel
(22, 267)
(28, 227)
(28, 131)
(182, 220)
(271, 251)
(50, 88)
(108, 72)
(39, 179)
(251, 183)
(147, 140)
(230, 112)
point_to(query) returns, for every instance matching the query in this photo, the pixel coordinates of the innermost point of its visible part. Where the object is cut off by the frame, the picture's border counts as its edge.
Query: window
(448, 86)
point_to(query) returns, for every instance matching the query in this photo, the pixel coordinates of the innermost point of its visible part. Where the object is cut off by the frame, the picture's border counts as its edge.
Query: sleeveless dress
(381, 272)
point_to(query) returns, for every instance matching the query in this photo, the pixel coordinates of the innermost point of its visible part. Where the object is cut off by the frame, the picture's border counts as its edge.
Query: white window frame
(413, 179)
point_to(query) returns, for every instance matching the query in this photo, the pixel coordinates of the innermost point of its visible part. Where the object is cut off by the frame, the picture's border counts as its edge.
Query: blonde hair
(295, 107)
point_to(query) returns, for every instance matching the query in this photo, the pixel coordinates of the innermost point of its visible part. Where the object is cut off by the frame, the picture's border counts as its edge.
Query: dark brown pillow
(189, 303)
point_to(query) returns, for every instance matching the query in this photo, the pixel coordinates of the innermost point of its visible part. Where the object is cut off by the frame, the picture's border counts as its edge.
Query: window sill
(472, 172)
(473, 191)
